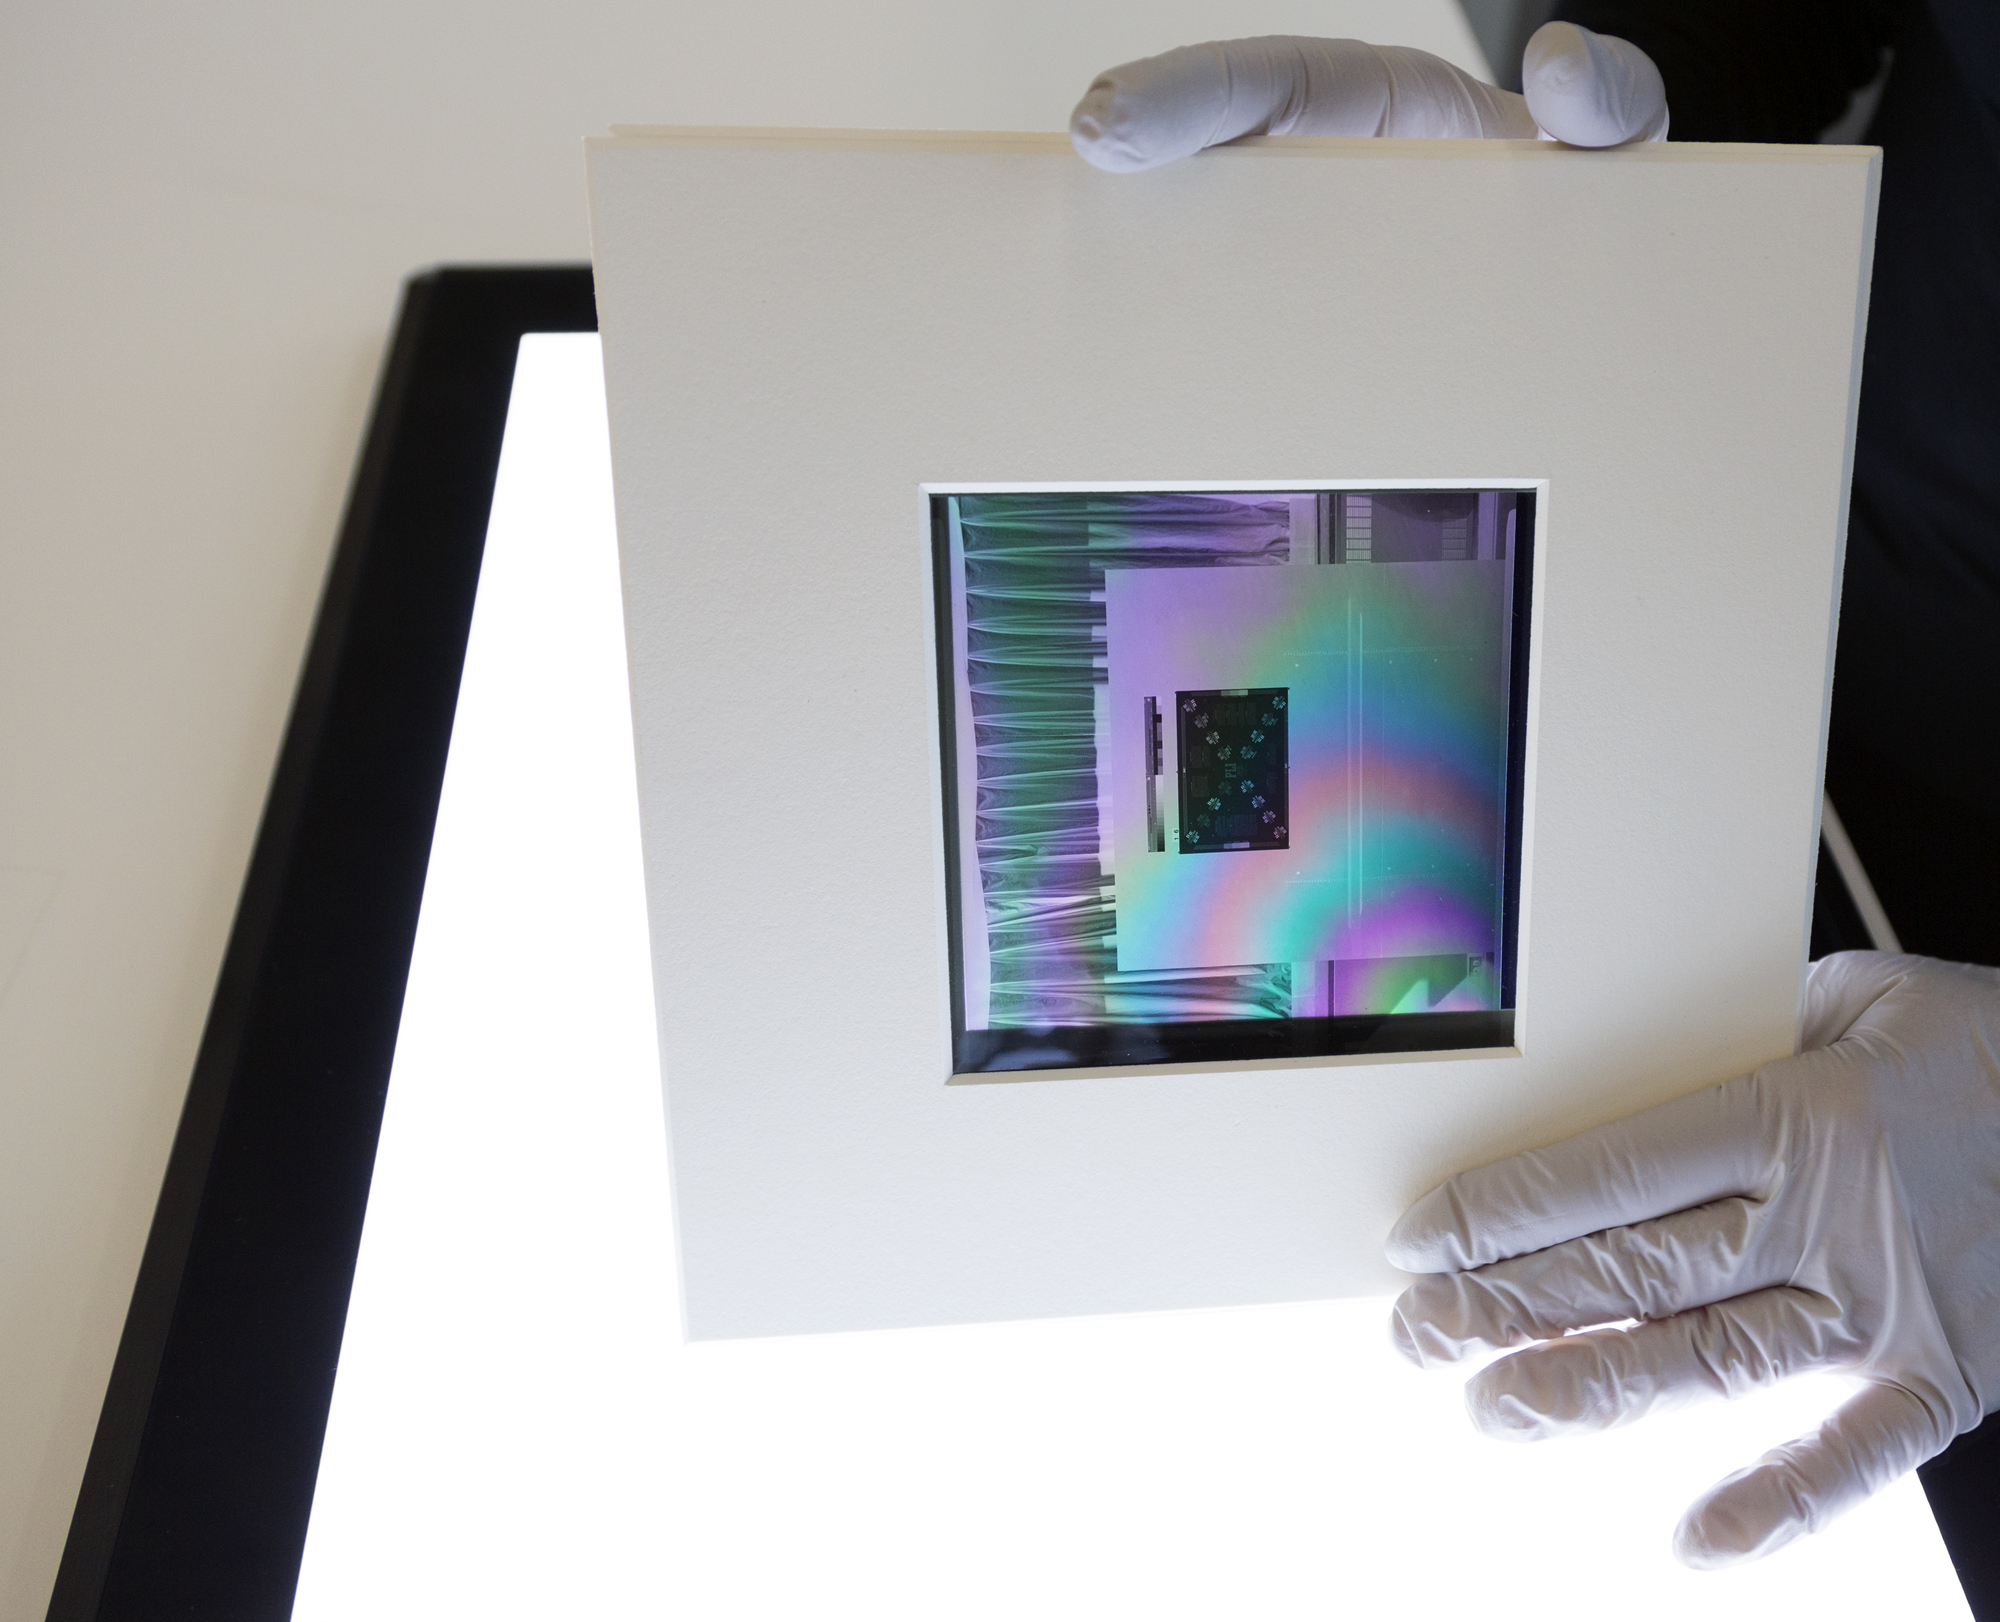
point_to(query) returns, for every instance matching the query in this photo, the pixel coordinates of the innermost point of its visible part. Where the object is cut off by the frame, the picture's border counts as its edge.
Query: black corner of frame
(199, 1482)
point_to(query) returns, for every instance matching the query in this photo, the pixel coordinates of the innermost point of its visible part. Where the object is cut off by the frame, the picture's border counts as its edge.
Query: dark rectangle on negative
(1062, 1047)
(1523, 570)
(1232, 770)
(954, 898)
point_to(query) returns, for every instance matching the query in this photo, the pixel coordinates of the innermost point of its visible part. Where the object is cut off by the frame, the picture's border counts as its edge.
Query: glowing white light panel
(518, 1430)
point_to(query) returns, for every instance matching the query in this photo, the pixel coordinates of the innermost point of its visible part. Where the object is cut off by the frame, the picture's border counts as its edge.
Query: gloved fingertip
(1500, 1413)
(1410, 1248)
(1428, 1238)
(1592, 90)
(1557, 53)
(1404, 1337)
(1733, 1522)
(1694, 1548)
(1097, 129)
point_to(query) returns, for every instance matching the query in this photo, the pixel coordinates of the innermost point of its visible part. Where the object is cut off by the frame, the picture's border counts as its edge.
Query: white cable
(1881, 933)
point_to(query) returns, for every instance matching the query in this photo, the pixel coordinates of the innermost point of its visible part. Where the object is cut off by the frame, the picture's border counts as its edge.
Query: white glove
(1583, 88)
(1835, 1210)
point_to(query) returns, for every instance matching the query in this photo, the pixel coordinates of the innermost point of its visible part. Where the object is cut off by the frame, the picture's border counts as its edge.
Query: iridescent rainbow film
(1229, 774)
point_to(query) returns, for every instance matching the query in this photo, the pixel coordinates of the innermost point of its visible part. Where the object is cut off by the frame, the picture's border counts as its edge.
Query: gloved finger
(1644, 1270)
(1840, 989)
(1875, 1437)
(1152, 111)
(1592, 89)
(1613, 1376)
(1708, 1146)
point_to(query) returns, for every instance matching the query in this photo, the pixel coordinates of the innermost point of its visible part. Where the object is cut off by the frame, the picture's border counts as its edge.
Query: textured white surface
(518, 1431)
(1667, 335)
(210, 207)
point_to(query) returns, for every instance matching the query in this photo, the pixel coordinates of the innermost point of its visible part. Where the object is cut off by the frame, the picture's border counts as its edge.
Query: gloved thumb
(1870, 1441)
(1590, 89)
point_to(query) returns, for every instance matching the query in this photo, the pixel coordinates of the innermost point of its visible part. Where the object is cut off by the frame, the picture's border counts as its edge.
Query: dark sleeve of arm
(1750, 70)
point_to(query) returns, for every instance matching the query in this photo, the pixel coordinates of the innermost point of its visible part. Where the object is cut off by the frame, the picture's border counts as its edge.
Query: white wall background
(207, 209)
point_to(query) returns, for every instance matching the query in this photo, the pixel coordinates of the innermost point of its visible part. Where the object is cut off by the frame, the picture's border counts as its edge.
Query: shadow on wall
(1502, 28)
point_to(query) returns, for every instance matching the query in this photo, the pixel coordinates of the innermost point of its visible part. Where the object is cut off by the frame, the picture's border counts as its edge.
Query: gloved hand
(1583, 88)
(1838, 1210)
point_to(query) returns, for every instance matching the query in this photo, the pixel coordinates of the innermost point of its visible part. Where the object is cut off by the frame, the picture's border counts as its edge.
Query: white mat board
(800, 332)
